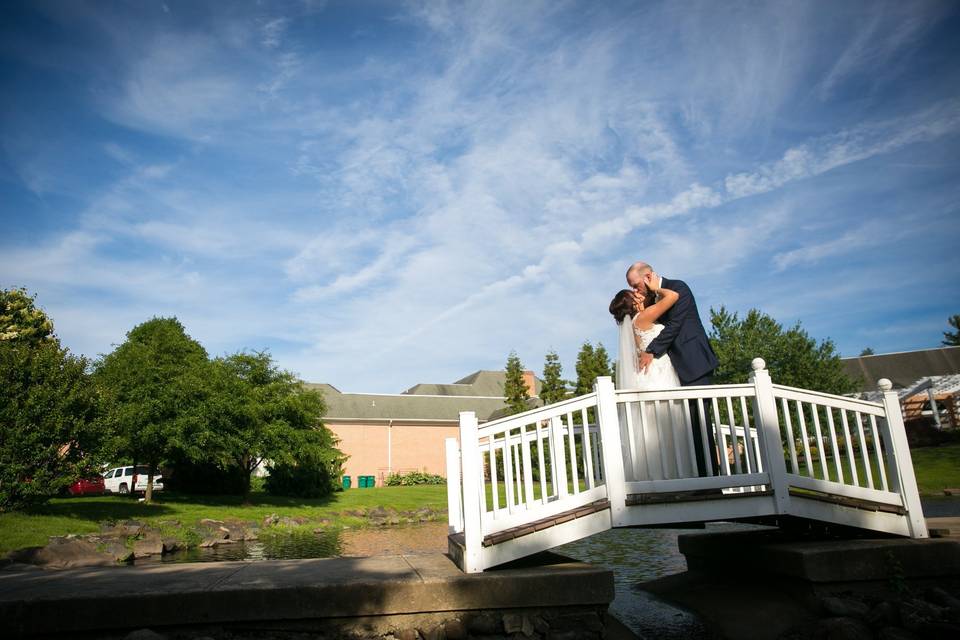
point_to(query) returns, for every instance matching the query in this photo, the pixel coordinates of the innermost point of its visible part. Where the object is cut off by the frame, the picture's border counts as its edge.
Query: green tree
(867, 352)
(792, 356)
(20, 319)
(154, 385)
(952, 338)
(554, 388)
(514, 387)
(49, 433)
(257, 412)
(591, 364)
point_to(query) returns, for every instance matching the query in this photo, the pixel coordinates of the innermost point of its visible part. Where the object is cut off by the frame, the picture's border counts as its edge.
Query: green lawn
(82, 515)
(936, 468)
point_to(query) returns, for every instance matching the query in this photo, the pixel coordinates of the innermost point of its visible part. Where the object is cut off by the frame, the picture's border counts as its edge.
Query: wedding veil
(628, 365)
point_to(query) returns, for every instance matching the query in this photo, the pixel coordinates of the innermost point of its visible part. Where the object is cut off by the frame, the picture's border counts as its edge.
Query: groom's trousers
(705, 467)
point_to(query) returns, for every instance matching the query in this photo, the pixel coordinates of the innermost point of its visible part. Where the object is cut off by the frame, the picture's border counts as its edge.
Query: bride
(661, 449)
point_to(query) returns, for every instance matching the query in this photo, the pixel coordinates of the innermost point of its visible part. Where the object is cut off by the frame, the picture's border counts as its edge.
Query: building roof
(478, 383)
(939, 385)
(385, 406)
(903, 369)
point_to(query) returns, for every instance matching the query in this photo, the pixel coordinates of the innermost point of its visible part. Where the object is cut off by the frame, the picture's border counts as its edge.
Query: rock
(484, 624)
(885, 614)
(844, 629)
(117, 550)
(171, 545)
(209, 522)
(434, 633)
(455, 630)
(915, 613)
(845, 607)
(150, 545)
(896, 633)
(62, 553)
(512, 623)
(144, 634)
(940, 597)
(125, 529)
(407, 634)
(939, 631)
(288, 522)
(271, 520)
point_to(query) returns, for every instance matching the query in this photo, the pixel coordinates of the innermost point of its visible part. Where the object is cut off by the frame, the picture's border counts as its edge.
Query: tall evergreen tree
(591, 364)
(952, 338)
(514, 388)
(554, 387)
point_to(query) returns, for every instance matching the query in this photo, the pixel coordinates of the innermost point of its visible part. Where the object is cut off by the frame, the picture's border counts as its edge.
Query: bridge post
(900, 461)
(454, 497)
(609, 424)
(768, 428)
(472, 487)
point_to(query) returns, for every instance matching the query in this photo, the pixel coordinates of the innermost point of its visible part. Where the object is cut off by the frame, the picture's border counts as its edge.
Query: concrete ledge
(776, 553)
(34, 602)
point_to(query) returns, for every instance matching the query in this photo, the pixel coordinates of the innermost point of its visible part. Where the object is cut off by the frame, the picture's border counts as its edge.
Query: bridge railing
(664, 456)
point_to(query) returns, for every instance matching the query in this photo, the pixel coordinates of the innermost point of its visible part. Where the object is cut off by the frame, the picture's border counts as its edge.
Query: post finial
(758, 364)
(884, 385)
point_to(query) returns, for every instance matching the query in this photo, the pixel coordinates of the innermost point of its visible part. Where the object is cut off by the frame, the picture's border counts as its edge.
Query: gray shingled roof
(376, 406)
(478, 383)
(903, 369)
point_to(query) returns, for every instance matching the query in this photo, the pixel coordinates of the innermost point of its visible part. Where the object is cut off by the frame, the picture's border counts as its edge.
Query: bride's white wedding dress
(661, 435)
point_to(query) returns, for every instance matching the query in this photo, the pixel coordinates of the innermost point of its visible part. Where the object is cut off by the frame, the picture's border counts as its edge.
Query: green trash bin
(346, 482)
(371, 481)
(362, 482)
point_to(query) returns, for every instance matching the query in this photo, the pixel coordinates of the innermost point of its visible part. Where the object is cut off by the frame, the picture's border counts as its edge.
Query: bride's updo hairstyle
(622, 305)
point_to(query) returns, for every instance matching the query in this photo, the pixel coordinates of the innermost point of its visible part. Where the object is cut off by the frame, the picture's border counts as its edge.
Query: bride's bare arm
(646, 318)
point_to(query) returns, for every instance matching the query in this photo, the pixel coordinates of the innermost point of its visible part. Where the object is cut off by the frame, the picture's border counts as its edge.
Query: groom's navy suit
(684, 339)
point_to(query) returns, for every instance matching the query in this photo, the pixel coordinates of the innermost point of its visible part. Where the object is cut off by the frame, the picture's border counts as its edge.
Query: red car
(87, 487)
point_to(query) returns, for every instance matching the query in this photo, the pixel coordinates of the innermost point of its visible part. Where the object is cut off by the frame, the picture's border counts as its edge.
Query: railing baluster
(494, 489)
(833, 439)
(708, 456)
(791, 439)
(527, 466)
(750, 441)
(721, 441)
(806, 439)
(691, 471)
(631, 439)
(558, 457)
(675, 439)
(508, 472)
(587, 450)
(735, 448)
(642, 413)
(864, 452)
(877, 450)
(573, 455)
(816, 428)
(849, 441)
(518, 476)
(544, 495)
(664, 466)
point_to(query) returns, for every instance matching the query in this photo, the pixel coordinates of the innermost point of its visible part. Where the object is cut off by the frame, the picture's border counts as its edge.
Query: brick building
(397, 433)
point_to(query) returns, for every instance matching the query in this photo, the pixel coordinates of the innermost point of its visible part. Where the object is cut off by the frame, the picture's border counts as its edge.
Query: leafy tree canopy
(153, 382)
(792, 356)
(49, 432)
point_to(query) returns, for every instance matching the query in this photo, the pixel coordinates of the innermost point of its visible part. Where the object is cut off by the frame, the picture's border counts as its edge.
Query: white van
(120, 480)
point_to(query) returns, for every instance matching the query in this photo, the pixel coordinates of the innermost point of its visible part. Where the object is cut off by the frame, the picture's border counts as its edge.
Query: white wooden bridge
(543, 478)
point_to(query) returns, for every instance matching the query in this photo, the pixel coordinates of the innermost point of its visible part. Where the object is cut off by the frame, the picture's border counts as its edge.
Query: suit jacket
(683, 337)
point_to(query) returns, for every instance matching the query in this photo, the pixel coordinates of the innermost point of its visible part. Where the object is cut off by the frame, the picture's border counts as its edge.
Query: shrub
(412, 478)
(206, 478)
(301, 480)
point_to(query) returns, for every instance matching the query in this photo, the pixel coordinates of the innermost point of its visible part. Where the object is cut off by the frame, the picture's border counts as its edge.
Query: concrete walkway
(35, 601)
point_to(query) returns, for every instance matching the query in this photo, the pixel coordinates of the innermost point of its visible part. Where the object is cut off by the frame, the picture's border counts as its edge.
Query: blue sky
(387, 193)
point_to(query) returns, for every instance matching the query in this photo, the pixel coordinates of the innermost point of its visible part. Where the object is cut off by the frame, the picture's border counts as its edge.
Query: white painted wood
(527, 468)
(508, 478)
(552, 508)
(735, 443)
(849, 516)
(836, 450)
(720, 439)
(494, 486)
(826, 399)
(705, 511)
(688, 430)
(695, 484)
(821, 450)
(864, 452)
(768, 432)
(472, 493)
(750, 438)
(802, 421)
(560, 461)
(556, 409)
(541, 464)
(878, 449)
(587, 451)
(791, 438)
(846, 490)
(610, 434)
(849, 442)
(686, 393)
(897, 439)
(708, 456)
(546, 539)
(454, 496)
(572, 446)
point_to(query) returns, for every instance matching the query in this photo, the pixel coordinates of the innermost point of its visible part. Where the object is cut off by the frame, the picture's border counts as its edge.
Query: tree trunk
(148, 494)
(246, 479)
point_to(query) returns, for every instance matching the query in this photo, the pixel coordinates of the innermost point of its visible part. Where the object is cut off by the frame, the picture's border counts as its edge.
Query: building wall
(376, 449)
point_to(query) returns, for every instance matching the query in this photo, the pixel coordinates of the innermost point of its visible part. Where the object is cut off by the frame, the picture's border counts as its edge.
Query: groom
(684, 339)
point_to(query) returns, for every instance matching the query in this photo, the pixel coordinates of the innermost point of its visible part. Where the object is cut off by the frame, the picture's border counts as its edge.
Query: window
(128, 471)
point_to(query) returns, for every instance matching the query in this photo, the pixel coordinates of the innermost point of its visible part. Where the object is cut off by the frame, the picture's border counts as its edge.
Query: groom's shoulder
(675, 284)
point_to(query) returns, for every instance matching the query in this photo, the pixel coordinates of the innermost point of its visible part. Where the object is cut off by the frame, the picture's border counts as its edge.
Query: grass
(63, 516)
(936, 468)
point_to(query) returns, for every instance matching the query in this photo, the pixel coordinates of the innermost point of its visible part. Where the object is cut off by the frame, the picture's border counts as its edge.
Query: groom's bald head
(635, 274)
